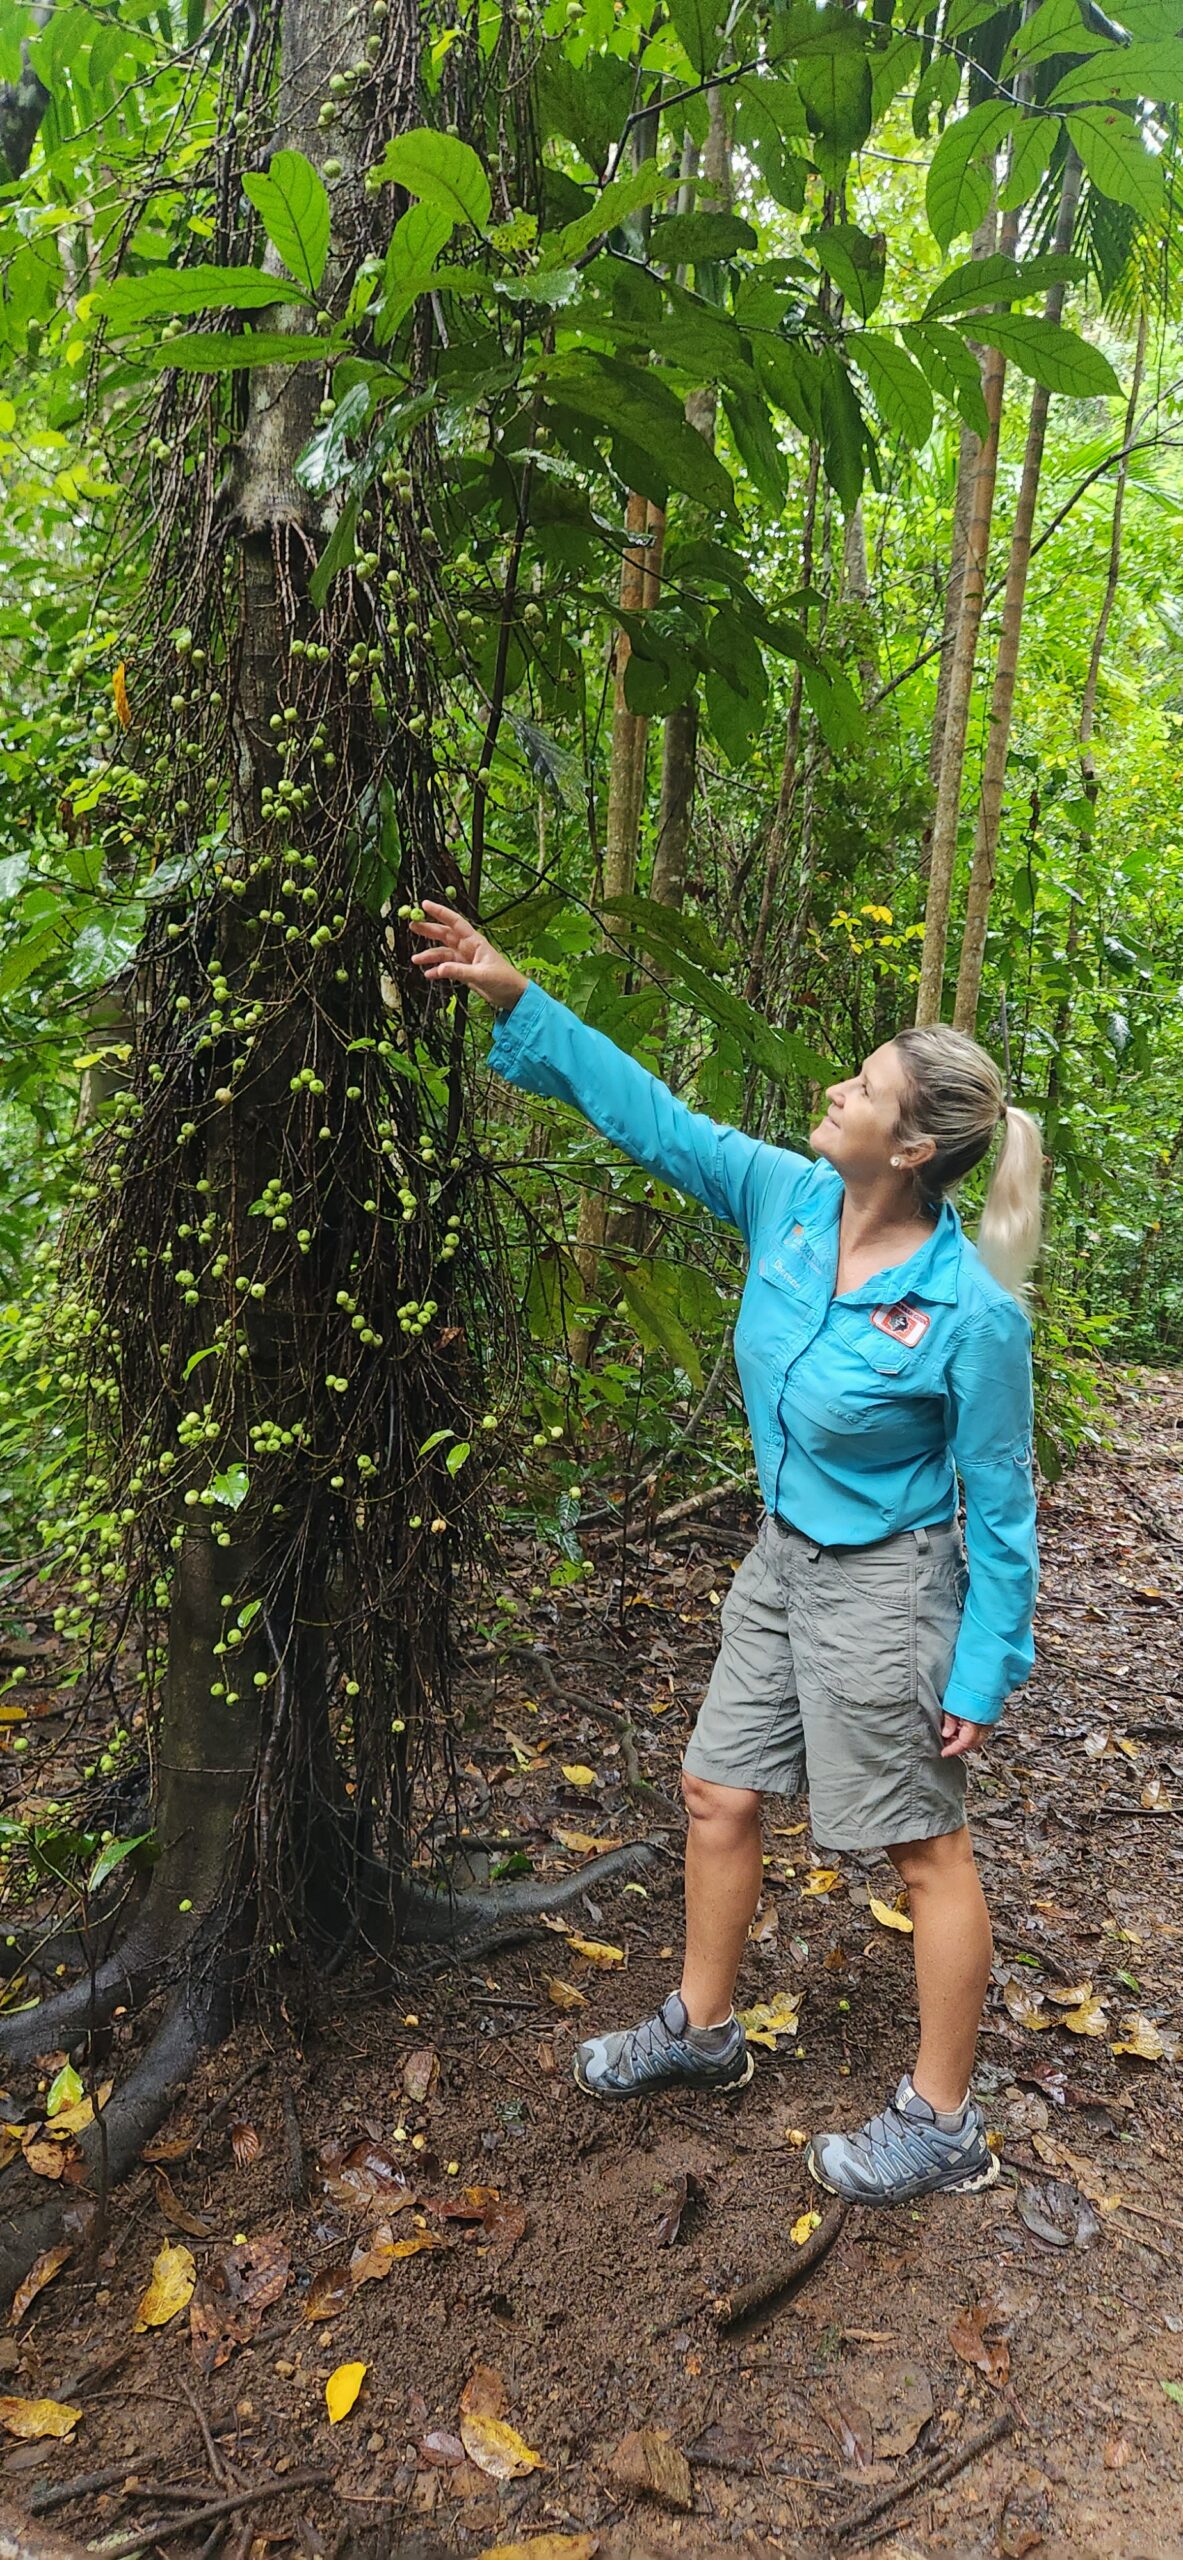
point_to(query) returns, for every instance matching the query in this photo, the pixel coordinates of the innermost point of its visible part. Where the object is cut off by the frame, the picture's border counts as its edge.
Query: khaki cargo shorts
(831, 1671)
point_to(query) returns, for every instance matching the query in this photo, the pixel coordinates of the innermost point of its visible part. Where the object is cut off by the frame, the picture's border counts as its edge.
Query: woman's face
(859, 1134)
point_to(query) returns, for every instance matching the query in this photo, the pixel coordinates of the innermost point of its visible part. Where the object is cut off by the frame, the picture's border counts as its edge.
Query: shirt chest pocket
(856, 1379)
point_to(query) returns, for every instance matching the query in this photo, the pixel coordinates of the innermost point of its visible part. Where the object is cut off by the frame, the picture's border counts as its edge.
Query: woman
(881, 1357)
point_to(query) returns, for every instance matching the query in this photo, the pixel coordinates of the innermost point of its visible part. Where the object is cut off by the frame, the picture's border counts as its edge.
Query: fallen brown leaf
(329, 2291)
(484, 2394)
(41, 2273)
(175, 2212)
(246, 2145)
(237, 2287)
(365, 2178)
(420, 2072)
(650, 2461)
(969, 2340)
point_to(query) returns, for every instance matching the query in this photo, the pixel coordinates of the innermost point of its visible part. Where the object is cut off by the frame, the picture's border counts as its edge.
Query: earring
(896, 1162)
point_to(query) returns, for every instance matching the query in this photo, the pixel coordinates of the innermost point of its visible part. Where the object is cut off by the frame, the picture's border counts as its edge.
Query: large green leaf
(170, 292)
(900, 392)
(952, 368)
(639, 406)
(325, 460)
(843, 435)
(792, 376)
(225, 351)
(982, 281)
(1055, 27)
(855, 261)
(1118, 163)
(339, 551)
(410, 264)
(613, 205)
(699, 34)
(1051, 355)
(836, 706)
(1032, 145)
(442, 170)
(836, 89)
(960, 177)
(650, 1293)
(689, 239)
(757, 446)
(293, 202)
(1124, 71)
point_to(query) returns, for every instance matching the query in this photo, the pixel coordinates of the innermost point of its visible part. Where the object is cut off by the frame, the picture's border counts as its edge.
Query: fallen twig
(166, 2529)
(787, 2274)
(931, 2475)
(62, 2492)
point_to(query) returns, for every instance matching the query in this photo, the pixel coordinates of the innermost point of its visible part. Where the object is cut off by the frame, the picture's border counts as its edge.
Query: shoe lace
(892, 2140)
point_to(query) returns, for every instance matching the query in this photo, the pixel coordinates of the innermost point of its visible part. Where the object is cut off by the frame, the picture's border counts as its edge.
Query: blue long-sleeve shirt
(864, 1409)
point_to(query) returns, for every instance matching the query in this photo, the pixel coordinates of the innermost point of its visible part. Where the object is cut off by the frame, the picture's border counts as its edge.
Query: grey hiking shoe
(904, 2153)
(658, 2055)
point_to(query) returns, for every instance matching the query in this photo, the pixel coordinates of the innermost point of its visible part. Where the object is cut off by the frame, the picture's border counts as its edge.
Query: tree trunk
(982, 872)
(782, 816)
(961, 678)
(1084, 733)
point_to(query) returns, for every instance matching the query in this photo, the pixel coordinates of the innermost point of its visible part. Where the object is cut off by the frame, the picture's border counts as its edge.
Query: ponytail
(954, 1095)
(1010, 1228)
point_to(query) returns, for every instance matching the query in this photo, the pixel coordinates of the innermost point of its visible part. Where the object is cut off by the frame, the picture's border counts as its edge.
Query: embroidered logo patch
(904, 1323)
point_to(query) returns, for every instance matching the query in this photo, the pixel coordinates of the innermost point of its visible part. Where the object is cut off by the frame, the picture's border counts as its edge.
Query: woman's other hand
(958, 1736)
(454, 949)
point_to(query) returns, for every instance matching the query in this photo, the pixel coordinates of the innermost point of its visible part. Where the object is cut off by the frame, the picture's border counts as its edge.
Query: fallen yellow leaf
(497, 2449)
(342, 2388)
(887, 1918)
(595, 1950)
(795, 2135)
(580, 1841)
(1090, 2019)
(1146, 2041)
(1069, 1995)
(36, 2418)
(578, 1775)
(174, 2274)
(1025, 2006)
(563, 1995)
(1056, 2155)
(804, 2224)
(771, 2018)
(821, 1880)
(75, 2119)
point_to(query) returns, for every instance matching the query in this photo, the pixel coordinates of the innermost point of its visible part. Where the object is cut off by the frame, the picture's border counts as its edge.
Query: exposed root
(196, 2018)
(430, 1916)
(90, 2001)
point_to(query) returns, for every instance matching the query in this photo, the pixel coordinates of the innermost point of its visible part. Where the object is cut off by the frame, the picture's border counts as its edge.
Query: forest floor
(1036, 2331)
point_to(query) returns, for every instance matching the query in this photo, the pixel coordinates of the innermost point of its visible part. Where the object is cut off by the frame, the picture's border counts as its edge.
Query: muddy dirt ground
(1035, 2334)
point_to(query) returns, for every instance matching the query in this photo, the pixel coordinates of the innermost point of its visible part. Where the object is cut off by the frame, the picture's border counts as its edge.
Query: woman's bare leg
(952, 1946)
(724, 1875)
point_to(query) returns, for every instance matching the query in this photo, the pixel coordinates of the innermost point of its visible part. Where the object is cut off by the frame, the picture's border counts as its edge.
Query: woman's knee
(931, 1862)
(723, 1808)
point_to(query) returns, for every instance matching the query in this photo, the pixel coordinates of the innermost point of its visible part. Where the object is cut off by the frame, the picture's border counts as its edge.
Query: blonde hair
(954, 1095)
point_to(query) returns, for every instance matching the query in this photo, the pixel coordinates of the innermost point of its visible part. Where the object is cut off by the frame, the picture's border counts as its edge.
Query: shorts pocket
(862, 1629)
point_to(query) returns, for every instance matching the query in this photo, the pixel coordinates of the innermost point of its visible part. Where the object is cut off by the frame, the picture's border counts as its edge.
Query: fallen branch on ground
(787, 2274)
(931, 2475)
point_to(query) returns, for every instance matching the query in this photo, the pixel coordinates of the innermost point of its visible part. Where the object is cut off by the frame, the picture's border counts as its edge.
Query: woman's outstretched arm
(544, 1047)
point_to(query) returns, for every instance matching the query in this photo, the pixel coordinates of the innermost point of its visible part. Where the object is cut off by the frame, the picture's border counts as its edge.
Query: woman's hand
(456, 950)
(958, 1736)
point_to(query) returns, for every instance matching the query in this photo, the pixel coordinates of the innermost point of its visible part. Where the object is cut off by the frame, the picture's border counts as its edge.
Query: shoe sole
(715, 2088)
(971, 2186)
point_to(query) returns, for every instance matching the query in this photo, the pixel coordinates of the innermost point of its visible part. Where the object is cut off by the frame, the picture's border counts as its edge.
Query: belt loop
(923, 1540)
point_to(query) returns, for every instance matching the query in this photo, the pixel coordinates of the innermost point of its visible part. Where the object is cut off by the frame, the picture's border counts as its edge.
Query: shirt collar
(931, 1272)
